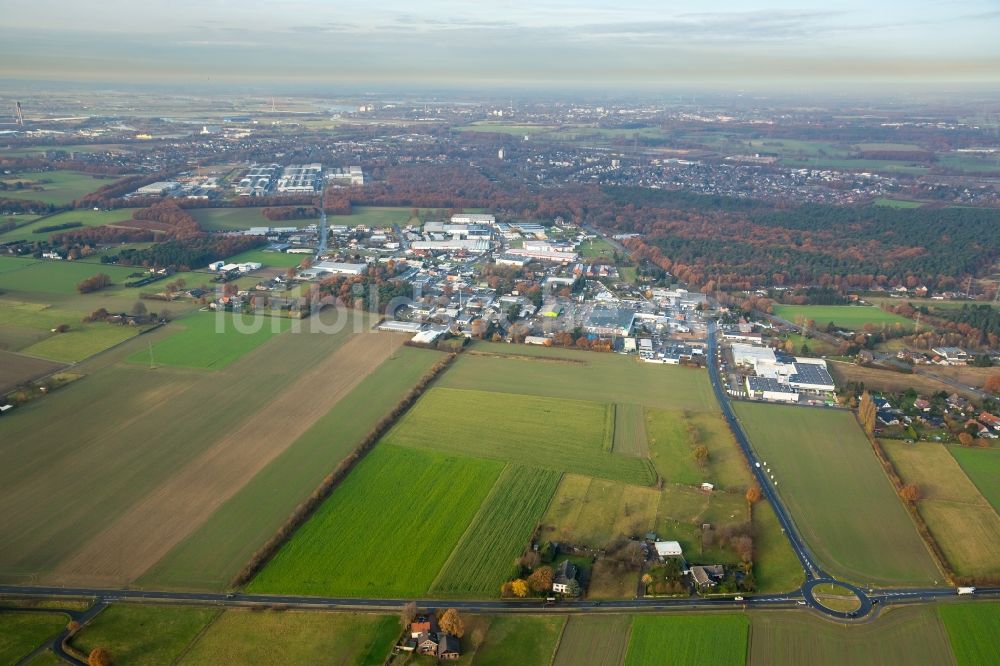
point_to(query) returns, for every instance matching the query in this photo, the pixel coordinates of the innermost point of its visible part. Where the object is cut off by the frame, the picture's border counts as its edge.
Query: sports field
(20, 633)
(599, 640)
(962, 522)
(909, 635)
(579, 375)
(211, 557)
(56, 187)
(852, 317)
(211, 341)
(87, 217)
(973, 630)
(688, 639)
(268, 259)
(232, 219)
(499, 533)
(550, 433)
(593, 512)
(983, 468)
(826, 470)
(395, 496)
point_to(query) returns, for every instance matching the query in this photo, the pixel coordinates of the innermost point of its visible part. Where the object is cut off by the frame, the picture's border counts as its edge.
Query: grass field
(53, 277)
(594, 512)
(22, 632)
(973, 630)
(671, 448)
(89, 218)
(596, 247)
(396, 495)
(268, 259)
(897, 203)
(119, 428)
(80, 342)
(58, 187)
(852, 317)
(231, 219)
(520, 639)
(598, 640)
(212, 555)
(505, 128)
(827, 470)
(961, 521)
(140, 634)
(775, 566)
(630, 430)
(556, 434)
(499, 533)
(211, 341)
(983, 468)
(294, 638)
(690, 639)
(911, 635)
(684, 509)
(565, 373)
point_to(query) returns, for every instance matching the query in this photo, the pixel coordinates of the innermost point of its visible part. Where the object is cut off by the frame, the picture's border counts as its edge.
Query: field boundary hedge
(308, 506)
(610, 423)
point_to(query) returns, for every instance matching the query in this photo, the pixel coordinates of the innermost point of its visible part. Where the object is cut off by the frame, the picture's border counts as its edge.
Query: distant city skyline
(582, 44)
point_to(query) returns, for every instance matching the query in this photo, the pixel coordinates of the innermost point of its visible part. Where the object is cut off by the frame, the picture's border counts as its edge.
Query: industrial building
(351, 175)
(767, 388)
(300, 179)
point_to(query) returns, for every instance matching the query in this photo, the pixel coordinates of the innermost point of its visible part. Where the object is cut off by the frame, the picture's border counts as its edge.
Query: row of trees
(94, 283)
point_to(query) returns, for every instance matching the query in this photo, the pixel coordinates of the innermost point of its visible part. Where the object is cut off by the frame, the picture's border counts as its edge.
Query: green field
(22, 632)
(268, 259)
(294, 638)
(504, 128)
(232, 219)
(690, 639)
(962, 522)
(498, 534)
(671, 448)
(897, 203)
(983, 468)
(974, 630)
(594, 512)
(911, 635)
(630, 437)
(775, 566)
(597, 247)
(211, 341)
(598, 640)
(580, 375)
(970, 163)
(119, 428)
(145, 634)
(58, 187)
(88, 217)
(827, 470)
(53, 277)
(396, 498)
(211, 557)
(556, 434)
(520, 639)
(141, 634)
(684, 509)
(889, 147)
(852, 317)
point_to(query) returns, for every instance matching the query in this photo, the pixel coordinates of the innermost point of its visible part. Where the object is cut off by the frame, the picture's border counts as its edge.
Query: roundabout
(835, 598)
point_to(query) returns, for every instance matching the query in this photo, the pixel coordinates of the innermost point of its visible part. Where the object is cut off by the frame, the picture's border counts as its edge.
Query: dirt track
(170, 513)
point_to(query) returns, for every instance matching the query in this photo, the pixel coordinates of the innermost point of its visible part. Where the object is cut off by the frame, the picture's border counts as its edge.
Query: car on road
(801, 603)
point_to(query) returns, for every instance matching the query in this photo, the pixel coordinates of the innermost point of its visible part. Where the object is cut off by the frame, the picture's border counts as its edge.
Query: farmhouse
(565, 574)
(423, 624)
(449, 648)
(708, 575)
(427, 643)
(951, 355)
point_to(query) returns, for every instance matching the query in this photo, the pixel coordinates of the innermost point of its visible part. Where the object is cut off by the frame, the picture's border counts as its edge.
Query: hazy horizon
(579, 45)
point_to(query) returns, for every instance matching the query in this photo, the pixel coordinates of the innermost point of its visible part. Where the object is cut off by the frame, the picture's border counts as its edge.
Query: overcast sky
(644, 44)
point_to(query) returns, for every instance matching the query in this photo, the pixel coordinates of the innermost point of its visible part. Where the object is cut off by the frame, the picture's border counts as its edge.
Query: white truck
(966, 590)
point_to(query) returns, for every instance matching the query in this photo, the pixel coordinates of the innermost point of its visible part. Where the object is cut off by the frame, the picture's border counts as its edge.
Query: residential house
(423, 624)
(708, 575)
(427, 643)
(565, 574)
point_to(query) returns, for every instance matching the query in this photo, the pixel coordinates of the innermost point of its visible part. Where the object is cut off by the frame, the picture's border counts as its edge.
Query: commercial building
(352, 175)
(767, 388)
(300, 179)
(159, 188)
